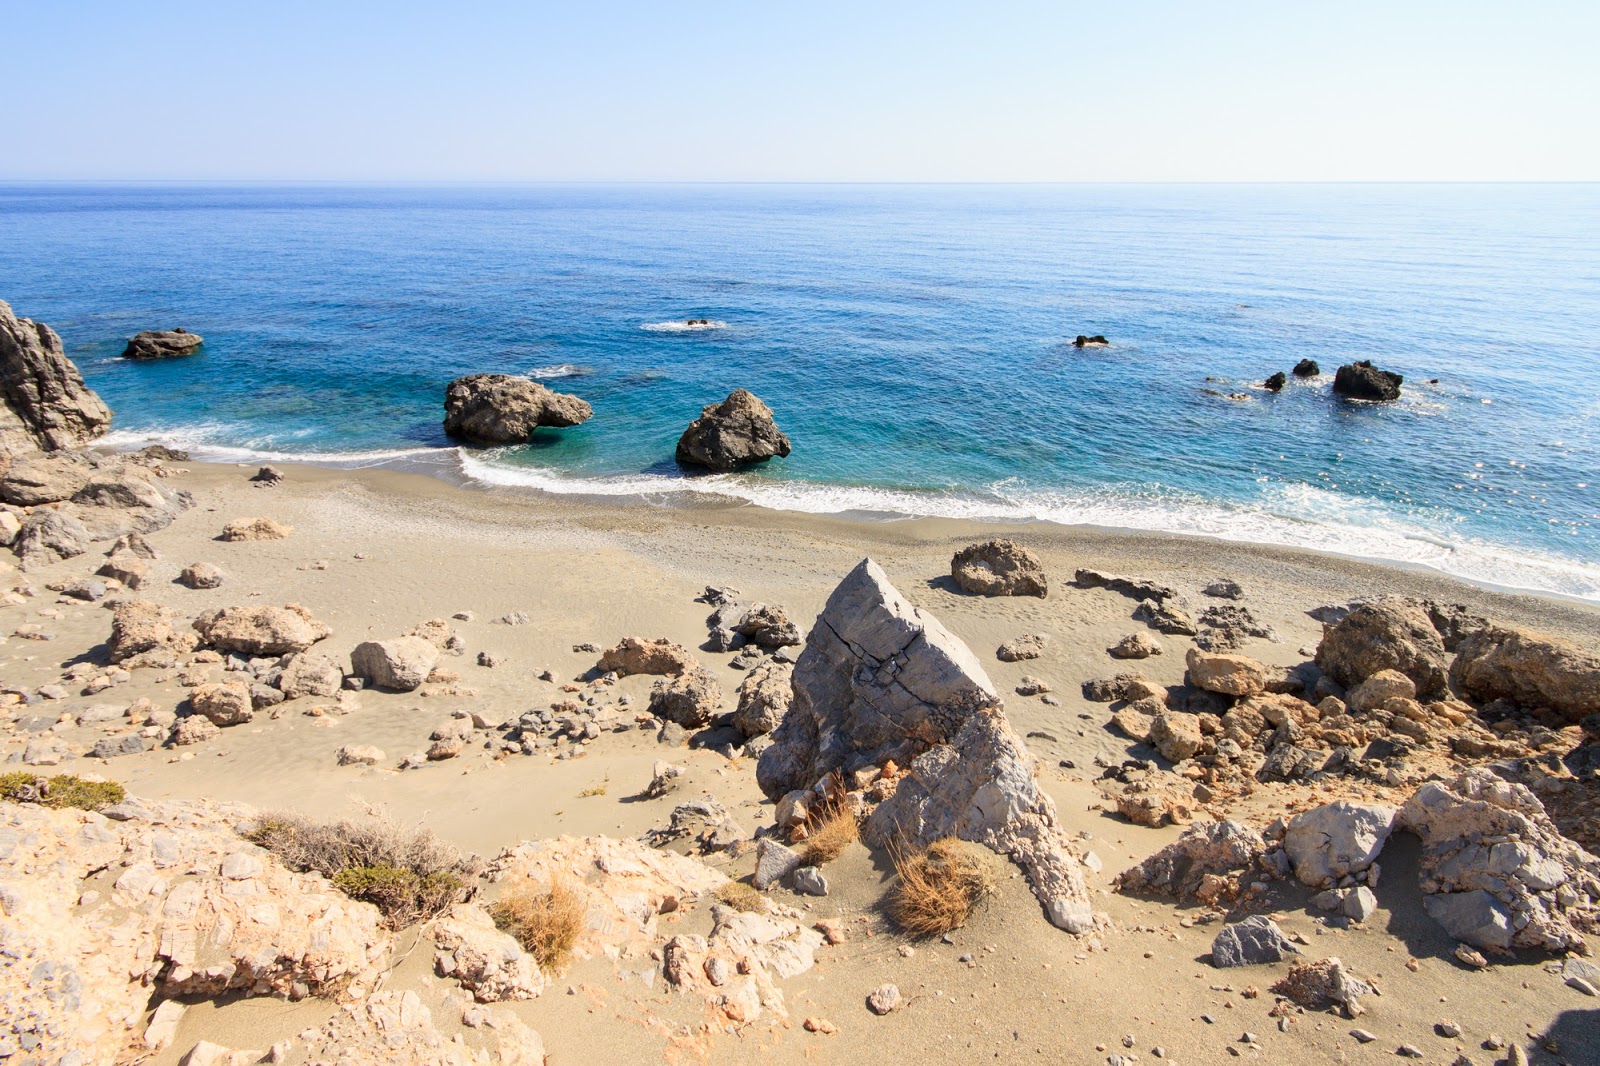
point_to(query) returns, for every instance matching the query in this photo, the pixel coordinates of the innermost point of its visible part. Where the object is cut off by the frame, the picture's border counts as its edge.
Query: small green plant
(62, 790)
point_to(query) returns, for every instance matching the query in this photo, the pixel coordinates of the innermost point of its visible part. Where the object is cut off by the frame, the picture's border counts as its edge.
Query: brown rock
(999, 568)
(1225, 674)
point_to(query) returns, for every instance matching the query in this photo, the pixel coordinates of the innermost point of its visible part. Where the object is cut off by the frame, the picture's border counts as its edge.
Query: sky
(609, 90)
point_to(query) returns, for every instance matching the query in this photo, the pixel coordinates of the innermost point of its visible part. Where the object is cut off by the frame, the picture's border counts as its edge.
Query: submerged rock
(1363, 381)
(736, 432)
(502, 409)
(999, 568)
(46, 404)
(162, 344)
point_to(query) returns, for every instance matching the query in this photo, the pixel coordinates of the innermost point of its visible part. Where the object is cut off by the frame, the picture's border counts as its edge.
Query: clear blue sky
(813, 91)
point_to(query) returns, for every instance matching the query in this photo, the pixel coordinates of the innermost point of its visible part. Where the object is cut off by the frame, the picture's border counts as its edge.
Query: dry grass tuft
(741, 897)
(936, 889)
(406, 872)
(832, 829)
(547, 922)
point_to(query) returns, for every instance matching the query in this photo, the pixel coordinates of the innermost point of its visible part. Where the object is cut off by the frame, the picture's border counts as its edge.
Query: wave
(561, 370)
(202, 442)
(684, 326)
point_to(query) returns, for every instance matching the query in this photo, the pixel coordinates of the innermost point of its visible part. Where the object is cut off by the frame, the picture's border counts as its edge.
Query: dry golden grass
(936, 889)
(546, 920)
(741, 897)
(834, 829)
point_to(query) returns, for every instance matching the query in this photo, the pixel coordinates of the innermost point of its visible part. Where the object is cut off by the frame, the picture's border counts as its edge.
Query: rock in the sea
(1337, 839)
(1135, 646)
(1387, 634)
(46, 404)
(764, 698)
(690, 699)
(1276, 382)
(401, 664)
(1363, 381)
(260, 630)
(1205, 850)
(255, 529)
(1085, 341)
(162, 344)
(999, 568)
(1029, 646)
(1529, 670)
(502, 409)
(1254, 941)
(1227, 675)
(1307, 368)
(634, 656)
(202, 576)
(736, 432)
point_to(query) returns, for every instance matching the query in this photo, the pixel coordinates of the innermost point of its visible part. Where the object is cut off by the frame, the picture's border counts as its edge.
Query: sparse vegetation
(62, 790)
(936, 889)
(596, 790)
(741, 897)
(545, 920)
(832, 829)
(407, 873)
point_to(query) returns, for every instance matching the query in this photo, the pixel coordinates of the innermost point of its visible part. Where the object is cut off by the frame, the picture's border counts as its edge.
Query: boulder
(46, 404)
(137, 627)
(999, 568)
(194, 729)
(126, 567)
(1378, 689)
(1306, 368)
(1387, 634)
(1363, 381)
(690, 699)
(1226, 675)
(1319, 983)
(45, 477)
(764, 698)
(309, 673)
(254, 529)
(162, 344)
(259, 631)
(502, 409)
(1276, 382)
(202, 576)
(481, 959)
(401, 664)
(1135, 646)
(736, 432)
(47, 537)
(126, 497)
(872, 678)
(1254, 941)
(1207, 849)
(634, 656)
(1176, 735)
(1165, 617)
(1030, 646)
(1529, 670)
(1336, 840)
(225, 704)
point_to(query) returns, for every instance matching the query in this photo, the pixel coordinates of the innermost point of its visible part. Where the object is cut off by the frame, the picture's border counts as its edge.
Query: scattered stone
(1165, 618)
(774, 862)
(1251, 942)
(260, 631)
(884, 999)
(1022, 648)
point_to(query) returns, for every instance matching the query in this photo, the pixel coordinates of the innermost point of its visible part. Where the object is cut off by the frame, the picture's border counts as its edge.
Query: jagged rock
(809, 881)
(138, 626)
(162, 344)
(981, 785)
(40, 478)
(1227, 626)
(705, 822)
(690, 699)
(1254, 941)
(194, 729)
(1134, 646)
(1495, 871)
(1133, 588)
(309, 673)
(1096, 341)
(126, 567)
(767, 626)
(46, 404)
(1386, 634)
(225, 704)
(1227, 675)
(1319, 983)
(764, 698)
(756, 947)
(1529, 670)
(1120, 687)
(663, 779)
(1023, 648)
(1225, 589)
(635, 656)
(502, 409)
(1276, 382)
(1379, 689)
(884, 999)
(736, 432)
(874, 675)
(1337, 839)
(202, 576)
(482, 959)
(1136, 720)
(1363, 381)
(999, 568)
(1165, 618)
(1176, 735)
(47, 537)
(1307, 368)
(1207, 849)
(255, 529)
(260, 631)
(124, 497)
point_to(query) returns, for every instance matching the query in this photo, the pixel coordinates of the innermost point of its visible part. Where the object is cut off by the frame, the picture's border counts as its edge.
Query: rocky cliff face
(47, 405)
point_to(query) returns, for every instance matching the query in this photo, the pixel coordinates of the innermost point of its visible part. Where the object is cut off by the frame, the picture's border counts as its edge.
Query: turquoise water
(914, 342)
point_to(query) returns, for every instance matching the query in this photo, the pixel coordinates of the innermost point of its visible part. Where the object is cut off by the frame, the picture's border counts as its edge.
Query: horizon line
(782, 181)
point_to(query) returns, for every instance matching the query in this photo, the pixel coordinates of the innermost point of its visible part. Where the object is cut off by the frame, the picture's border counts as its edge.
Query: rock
(309, 673)
(774, 862)
(268, 476)
(481, 959)
(663, 779)
(1207, 849)
(1032, 686)
(1378, 689)
(260, 631)
(201, 576)
(126, 567)
(764, 698)
(10, 528)
(635, 656)
(1359, 904)
(691, 699)
(999, 568)
(705, 822)
(138, 626)
(254, 529)
(46, 405)
(1276, 382)
(874, 673)
(194, 729)
(1164, 618)
(1134, 646)
(736, 432)
(1336, 840)
(225, 704)
(111, 747)
(1254, 941)
(40, 478)
(359, 755)
(1138, 719)
(163, 1027)
(162, 344)
(1319, 983)
(767, 626)
(1386, 634)
(394, 1028)
(1176, 735)
(47, 537)
(1306, 368)
(808, 881)
(884, 999)
(1529, 670)
(444, 748)
(1133, 588)
(1363, 381)
(400, 665)
(1108, 689)
(86, 589)
(1096, 341)
(1227, 675)
(502, 409)
(1023, 648)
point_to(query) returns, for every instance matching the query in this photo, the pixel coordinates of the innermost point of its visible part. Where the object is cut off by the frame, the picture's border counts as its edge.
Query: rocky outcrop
(999, 568)
(1307, 368)
(502, 409)
(1205, 863)
(634, 656)
(878, 679)
(764, 698)
(400, 665)
(1529, 670)
(46, 405)
(260, 630)
(481, 959)
(1363, 381)
(737, 432)
(1227, 675)
(48, 537)
(737, 966)
(162, 344)
(1386, 634)
(691, 699)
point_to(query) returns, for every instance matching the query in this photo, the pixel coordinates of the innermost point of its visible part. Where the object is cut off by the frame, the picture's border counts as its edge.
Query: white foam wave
(561, 370)
(200, 441)
(685, 326)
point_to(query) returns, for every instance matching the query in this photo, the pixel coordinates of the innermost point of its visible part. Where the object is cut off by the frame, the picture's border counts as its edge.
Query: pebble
(884, 999)
(1447, 1029)
(1208, 1019)
(1408, 1051)
(1582, 986)
(1362, 1036)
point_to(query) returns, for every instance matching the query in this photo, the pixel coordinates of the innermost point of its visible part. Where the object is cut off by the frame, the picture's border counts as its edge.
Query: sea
(914, 341)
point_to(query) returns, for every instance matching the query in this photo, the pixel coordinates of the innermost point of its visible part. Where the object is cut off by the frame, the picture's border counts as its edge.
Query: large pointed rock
(45, 404)
(878, 679)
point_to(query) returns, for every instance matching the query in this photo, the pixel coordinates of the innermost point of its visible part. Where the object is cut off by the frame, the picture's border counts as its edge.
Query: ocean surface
(914, 341)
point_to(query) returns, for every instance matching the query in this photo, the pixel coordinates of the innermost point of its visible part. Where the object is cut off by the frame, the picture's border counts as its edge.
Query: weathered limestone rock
(310, 673)
(193, 729)
(139, 627)
(737, 432)
(1176, 735)
(1205, 850)
(225, 704)
(255, 529)
(690, 699)
(1318, 983)
(483, 960)
(1530, 670)
(1029, 646)
(262, 630)
(634, 656)
(502, 409)
(47, 537)
(774, 862)
(1135, 646)
(736, 967)
(1336, 839)
(202, 576)
(162, 344)
(999, 568)
(764, 698)
(1387, 634)
(46, 405)
(1225, 674)
(124, 567)
(39, 478)
(1378, 689)
(358, 755)
(1134, 588)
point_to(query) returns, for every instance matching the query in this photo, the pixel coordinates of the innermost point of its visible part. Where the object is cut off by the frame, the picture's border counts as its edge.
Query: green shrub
(62, 790)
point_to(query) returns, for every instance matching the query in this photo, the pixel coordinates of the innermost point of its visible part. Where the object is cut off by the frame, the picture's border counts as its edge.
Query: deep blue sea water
(914, 342)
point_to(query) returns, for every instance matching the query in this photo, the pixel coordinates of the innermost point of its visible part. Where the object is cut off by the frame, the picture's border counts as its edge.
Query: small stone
(1582, 985)
(820, 1025)
(1448, 1030)
(884, 999)
(1408, 1051)
(1362, 1036)
(808, 881)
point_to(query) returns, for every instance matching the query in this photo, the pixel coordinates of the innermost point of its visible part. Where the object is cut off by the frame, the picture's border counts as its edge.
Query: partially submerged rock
(999, 568)
(1363, 381)
(502, 409)
(162, 344)
(737, 432)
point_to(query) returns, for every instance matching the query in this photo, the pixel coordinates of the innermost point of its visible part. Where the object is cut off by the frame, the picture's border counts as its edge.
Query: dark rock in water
(1096, 341)
(736, 432)
(999, 568)
(1307, 368)
(1276, 382)
(502, 409)
(1251, 942)
(46, 404)
(162, 344)
(1363, 381)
